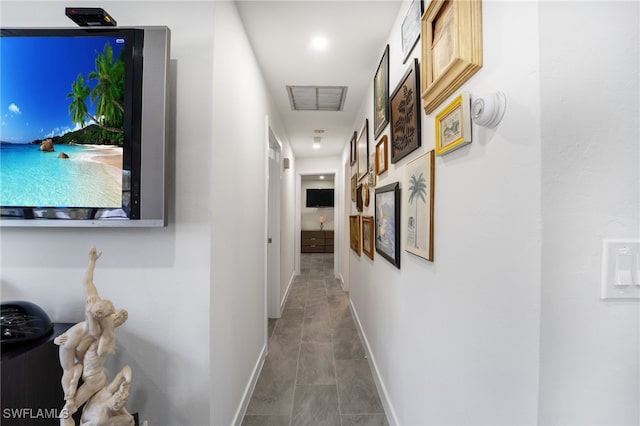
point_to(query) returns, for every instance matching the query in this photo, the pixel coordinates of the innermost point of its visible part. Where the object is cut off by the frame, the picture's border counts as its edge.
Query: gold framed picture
(354, 184)
(451, 34)
(368, 236)
(354, 233)
(382, 155)
(453, 125)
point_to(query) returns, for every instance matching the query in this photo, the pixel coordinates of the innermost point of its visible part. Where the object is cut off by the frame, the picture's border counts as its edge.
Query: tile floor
(316, 373)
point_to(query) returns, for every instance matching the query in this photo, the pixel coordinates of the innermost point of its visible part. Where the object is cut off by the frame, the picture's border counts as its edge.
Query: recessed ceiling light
(316, 145)
(321, 177)
(318, 131)
(319, 43)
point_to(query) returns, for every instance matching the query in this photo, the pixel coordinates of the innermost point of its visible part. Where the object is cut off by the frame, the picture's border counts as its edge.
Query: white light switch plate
(620, 269)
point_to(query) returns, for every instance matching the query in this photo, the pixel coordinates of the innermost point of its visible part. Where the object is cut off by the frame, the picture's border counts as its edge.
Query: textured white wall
(590, 62)
(162, 276)
(456, 341)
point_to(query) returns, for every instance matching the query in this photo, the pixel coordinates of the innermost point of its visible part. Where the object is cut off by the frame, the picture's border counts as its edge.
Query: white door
(273, 228)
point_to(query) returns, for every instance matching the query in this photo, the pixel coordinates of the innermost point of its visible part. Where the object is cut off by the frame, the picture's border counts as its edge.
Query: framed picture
(367, 236)
(382, 156)
(354, 233)
(410, 28)
(381, 95)
(451, 48)
(419, 206)
(365, 194)
(405, 115)
(354, 149)
(388, 223)
(359, 200)
(453, 125)
(363, 151)
(354, 185)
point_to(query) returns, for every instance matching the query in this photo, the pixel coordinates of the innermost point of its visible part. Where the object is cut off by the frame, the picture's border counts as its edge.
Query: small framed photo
(354, 185)
(418, 206)
(381, 95)
(354, 233)
(411, 28)
(359, 200)
(405, 115)
(382, 155)
(354, 149)
(363, 151)
(367, 236)
(388, 223)
(453, 125)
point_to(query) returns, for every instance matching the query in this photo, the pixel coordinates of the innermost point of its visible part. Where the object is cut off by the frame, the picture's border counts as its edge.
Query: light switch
(620, 269)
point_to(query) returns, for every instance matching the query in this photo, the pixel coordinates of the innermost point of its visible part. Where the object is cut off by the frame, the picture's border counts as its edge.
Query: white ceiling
(281, 33)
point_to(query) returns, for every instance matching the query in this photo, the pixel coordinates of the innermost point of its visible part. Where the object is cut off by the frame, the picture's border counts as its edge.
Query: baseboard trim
(382, 390)
(286, 293)
(246, 397)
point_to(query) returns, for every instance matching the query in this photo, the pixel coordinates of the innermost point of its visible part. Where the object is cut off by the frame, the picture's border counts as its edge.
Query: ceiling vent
(317, 98)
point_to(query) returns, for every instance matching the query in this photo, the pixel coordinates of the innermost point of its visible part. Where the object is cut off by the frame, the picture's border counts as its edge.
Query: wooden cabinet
(317, 242)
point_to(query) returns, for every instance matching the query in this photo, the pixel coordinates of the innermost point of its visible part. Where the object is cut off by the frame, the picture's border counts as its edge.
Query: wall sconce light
(488, 110)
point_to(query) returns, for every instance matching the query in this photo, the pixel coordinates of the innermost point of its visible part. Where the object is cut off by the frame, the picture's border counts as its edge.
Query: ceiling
(281, 33)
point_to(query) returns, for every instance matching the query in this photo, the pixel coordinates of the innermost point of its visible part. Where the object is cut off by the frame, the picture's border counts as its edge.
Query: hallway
(315, 372)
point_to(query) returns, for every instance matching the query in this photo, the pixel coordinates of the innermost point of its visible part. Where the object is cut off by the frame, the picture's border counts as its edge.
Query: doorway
(274, 156)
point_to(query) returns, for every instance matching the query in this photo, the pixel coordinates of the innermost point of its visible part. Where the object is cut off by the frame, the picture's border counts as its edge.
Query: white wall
(456, 341)
(162, 276)
(238, 204)
(197, 320)
(311, 215)
(590, 359)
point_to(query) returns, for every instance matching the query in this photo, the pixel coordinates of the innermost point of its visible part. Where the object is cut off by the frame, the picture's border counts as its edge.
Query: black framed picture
(388, 222)
(411, 28)
(381, 95)
(405, 115)
(363, 150)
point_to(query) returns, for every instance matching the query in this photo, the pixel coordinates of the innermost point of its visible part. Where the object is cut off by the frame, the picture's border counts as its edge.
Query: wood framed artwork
(353, 149)
(382, 155)
(354, 185)
(359, 200)
(354, 233)
(419, 206)
(368, 236)
(388, 222)
(453, 125)
(363, 150)
(451, 48)
(365, 194)
(410, 28)
(381, 95)
(405, 115)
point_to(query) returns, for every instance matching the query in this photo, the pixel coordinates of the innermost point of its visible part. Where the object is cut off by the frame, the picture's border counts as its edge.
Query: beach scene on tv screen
(62, 133)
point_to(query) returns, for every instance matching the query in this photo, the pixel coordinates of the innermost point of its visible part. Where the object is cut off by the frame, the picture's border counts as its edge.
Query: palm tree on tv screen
(108, 94)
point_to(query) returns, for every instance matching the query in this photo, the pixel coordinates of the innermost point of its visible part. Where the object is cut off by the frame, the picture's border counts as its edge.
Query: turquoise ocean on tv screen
(30, 177)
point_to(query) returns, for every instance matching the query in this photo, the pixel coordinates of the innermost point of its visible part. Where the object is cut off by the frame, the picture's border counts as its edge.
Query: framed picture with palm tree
(419, 206)
(388, 222)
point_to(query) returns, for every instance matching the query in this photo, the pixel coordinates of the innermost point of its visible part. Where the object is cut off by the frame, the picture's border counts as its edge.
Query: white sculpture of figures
(83, 350)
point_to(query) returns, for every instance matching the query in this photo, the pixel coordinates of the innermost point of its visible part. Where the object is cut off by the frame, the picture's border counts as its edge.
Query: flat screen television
(319, 197)
(84, 126)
